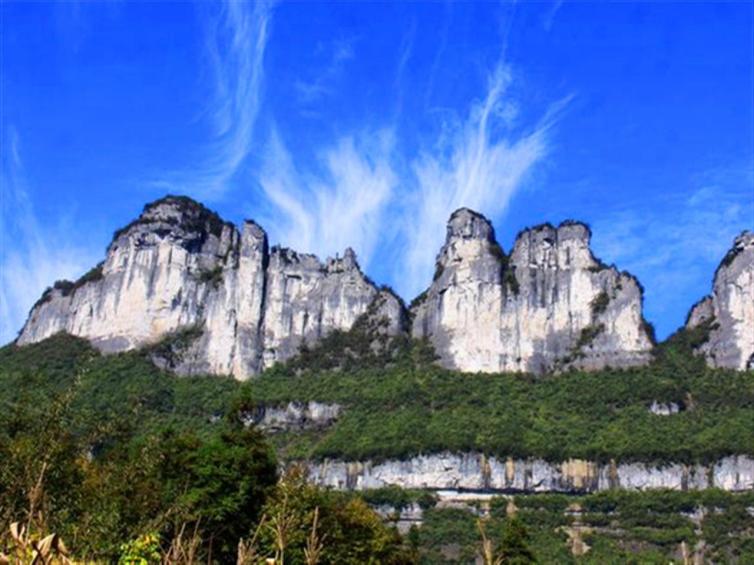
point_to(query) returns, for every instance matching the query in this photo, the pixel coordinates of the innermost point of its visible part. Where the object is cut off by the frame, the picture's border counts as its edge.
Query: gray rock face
(728, 313)
(237, 307)
(402, 518)
(474, 471)
(295, 416)
(548, 306)
(180, 266)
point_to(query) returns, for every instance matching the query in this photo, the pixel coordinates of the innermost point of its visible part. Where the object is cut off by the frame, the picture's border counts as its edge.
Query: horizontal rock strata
(476, 472)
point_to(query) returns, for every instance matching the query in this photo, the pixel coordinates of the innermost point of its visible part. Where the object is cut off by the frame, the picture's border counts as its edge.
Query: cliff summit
(727, 314)
(546, 306)
(231, 304)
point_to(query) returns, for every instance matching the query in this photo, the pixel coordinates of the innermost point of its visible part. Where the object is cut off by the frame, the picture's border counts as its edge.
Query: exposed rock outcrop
(547, 306)
(728, 313)
(232, 305)
(295, 416)
(180, 266)
(474, 471)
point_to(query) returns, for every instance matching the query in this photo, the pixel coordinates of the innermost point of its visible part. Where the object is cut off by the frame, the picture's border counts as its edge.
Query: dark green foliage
(124, 388)
(92, 275)
(600, 303)
(408, 405)
(636, 527)
(67, 288)
(212, 276)
(679, 350)
(415, 407)
(366, 345)
(514, 544)
(196, 218)
(223, 483)
(399, 498)
(497, 252)
(730, 256)
(352, 533)
(688, 339)
(586, 337)
(510, 280)
(125, 449)
(170, 349)
(438, 271)
(649, 329)
(452, 535)
(419, 300)
(57, 358)
(448, 535)
(132, 448)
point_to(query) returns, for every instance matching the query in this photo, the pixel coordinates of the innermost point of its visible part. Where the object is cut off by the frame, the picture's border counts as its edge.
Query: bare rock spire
(728, 313)
(547, 306)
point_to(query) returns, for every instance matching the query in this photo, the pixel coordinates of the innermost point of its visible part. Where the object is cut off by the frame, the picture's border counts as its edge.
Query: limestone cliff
(209, 298)
(728, 313)
(547, 306)
(477, 472)
(235, 306)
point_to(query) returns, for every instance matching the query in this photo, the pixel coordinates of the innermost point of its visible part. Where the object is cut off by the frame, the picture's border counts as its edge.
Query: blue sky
(366, 125)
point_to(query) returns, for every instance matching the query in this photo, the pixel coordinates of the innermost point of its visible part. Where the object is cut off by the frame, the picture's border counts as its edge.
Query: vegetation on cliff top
(398, 403)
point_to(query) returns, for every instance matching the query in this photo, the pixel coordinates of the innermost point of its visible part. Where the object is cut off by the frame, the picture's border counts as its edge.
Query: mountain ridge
(546, 306)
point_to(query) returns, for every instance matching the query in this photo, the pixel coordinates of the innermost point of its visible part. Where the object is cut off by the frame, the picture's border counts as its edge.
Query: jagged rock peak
(470, 250)
(346, 263)
(468, 224)
(548, 306)
(176, 214)
(234, 306)
(743, 245)
(176, 206)
(727, 314)
(563, 247)
(566, 228)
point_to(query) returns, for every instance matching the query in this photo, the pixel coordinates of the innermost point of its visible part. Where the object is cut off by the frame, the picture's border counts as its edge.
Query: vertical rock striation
(179, 267)
(547, 306)
(728, 313)
(477, 472)
(232, 305)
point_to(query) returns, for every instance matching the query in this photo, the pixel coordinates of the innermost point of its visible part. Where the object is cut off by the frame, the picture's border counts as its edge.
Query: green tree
(348, 531)
(514, 544)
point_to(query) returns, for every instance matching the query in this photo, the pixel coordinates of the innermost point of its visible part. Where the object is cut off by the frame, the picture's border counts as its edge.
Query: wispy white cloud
(549, 18)
(674, 256)
(440, 53)
(322, 81)
(236, 40)
(480, 164)
(32, 255)
(340, 206)
(341, 198)
(405, 54)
